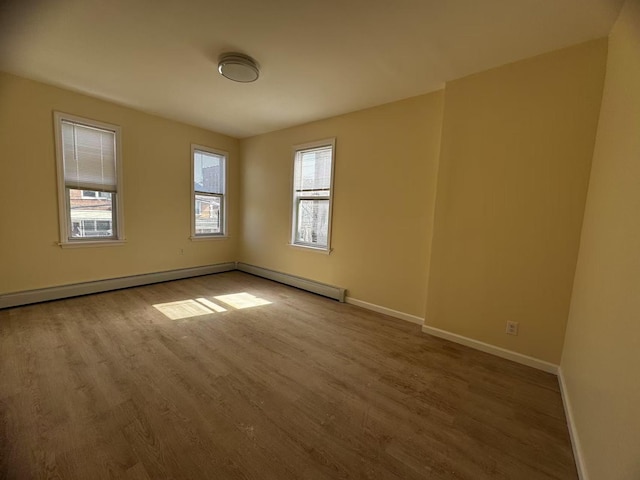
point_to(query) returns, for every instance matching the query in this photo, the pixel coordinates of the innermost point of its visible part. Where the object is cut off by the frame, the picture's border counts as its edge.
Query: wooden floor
(107, 386)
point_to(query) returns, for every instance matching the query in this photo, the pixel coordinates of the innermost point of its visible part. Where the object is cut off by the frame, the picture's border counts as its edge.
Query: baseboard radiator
(85, 288)
(323, 289)
(65, 291)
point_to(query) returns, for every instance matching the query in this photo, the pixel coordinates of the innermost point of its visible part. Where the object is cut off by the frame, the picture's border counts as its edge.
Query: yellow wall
(384, 193)
(156, 160)
(517, 144)
(511, 181)
(508, 152)
(602, 348)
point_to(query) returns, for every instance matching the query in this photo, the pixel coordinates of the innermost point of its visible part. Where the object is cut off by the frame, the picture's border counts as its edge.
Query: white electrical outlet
(512, 328)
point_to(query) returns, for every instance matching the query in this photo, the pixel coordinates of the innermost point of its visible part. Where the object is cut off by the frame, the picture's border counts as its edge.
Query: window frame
(296, 199)
(64, 208)
(223, 196)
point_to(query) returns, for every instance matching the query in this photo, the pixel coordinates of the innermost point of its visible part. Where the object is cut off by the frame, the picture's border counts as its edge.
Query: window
(89, 180)
(312, 194)
(208, 196)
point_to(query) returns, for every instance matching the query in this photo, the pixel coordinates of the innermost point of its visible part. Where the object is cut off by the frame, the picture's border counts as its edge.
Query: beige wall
(385, 177)
(509, 155)
(516, 147)
(601, 358)
(156, 160)
(513, 171)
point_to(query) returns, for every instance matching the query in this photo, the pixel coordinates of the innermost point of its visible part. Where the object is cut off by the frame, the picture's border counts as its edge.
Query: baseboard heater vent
(323, 289)
(77, 289)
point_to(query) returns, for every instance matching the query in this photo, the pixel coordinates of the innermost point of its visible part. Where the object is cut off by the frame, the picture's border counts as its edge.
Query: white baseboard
(573, 434)
(384, 310)
(323, 289)
(492, 349)
(65, 291)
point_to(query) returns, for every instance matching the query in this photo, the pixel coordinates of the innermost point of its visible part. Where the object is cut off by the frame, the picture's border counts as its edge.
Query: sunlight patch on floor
(182, 309)
(203, 306)
(213, 306)
(242, 300)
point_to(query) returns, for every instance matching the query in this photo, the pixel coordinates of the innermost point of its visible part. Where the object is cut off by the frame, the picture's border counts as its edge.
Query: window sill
(92, 243)
(323, 251)
(201, 238)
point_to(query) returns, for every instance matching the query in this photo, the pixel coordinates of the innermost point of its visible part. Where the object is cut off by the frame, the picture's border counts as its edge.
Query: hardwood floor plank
(301, 387)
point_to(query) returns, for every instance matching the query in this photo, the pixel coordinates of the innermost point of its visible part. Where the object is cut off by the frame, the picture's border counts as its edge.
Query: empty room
(319, 240)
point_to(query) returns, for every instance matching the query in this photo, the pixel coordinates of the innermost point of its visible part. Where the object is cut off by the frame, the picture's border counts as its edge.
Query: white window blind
(312, 172)
(89, 157)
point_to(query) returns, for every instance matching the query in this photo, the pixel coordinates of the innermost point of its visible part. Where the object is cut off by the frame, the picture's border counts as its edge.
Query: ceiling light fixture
(238, 67)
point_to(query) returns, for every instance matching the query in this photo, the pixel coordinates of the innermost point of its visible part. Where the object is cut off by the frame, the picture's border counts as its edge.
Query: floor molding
(323, 289)
(386, 311)
(492, 349)
(573, 433)
(65, 291)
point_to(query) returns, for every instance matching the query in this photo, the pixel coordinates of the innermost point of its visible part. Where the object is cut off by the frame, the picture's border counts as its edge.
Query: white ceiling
(318, 58)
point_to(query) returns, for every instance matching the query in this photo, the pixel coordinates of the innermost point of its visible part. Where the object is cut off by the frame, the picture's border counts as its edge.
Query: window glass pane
(208, 214)
(312, 174)
(312, 226)
(208, 172)
(91, 215)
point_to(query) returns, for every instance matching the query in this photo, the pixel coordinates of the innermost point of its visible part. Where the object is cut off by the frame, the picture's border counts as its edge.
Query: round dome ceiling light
(238, 67)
